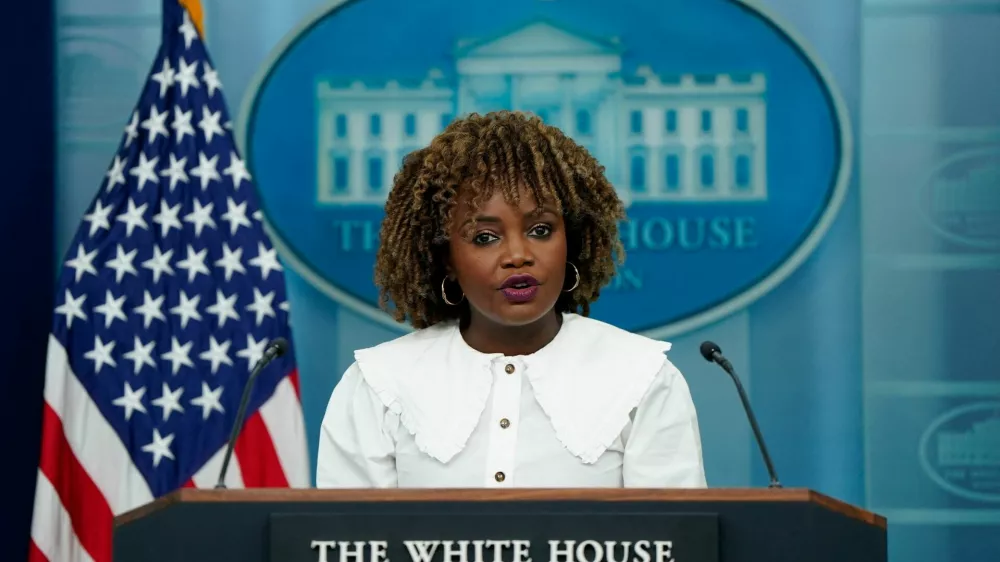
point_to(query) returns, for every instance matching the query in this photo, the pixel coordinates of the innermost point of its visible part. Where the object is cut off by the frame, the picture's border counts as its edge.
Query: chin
(524, 313)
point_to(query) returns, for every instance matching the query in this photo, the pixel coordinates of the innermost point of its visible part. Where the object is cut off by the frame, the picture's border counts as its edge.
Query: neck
(489, 337)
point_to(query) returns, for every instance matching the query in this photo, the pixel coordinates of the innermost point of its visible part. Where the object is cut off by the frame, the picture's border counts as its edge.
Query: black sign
(512, 536)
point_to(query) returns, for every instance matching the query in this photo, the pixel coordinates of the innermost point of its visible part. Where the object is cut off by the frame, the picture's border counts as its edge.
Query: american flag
(169, 293)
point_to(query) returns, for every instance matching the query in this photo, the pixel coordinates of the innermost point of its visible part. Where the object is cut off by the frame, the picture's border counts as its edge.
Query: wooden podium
(510, 525)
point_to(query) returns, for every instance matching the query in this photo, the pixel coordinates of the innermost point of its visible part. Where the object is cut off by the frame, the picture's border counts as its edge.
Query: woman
(496, 240)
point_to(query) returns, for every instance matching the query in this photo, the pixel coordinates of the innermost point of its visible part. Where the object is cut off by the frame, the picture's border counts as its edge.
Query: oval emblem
(961, 198)
(720, 130)
(960, 451)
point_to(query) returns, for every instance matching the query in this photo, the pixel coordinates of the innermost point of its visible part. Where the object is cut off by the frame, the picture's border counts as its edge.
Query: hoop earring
(577, 283)
(444, 295)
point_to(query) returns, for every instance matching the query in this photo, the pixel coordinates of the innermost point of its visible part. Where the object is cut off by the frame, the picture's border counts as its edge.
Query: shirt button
(509, 368)
(500, 477)
(505, 423)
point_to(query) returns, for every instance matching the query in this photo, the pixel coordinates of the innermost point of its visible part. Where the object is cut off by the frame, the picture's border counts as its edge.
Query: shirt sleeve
(663, 447)
(355, 451)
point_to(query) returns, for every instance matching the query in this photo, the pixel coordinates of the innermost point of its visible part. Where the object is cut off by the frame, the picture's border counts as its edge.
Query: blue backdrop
(868, 363)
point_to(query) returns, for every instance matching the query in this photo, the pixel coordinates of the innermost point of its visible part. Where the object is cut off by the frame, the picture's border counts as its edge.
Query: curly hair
(506, 151)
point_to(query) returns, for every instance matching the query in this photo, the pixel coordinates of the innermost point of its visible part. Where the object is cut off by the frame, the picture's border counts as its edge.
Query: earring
(444, 295)
(577, 282)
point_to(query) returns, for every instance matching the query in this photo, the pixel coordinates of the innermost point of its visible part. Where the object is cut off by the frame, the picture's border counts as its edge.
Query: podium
(507, 525)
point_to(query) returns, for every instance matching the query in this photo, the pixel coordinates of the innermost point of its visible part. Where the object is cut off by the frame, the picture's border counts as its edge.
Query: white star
(111, 309)
(182, 123)
(237, 169)
(122, 263)
(98, 218)
(286, 306)
(141, 354)
(101, 354)
(236, 215)
(208, 401)
(178, 355)
(167, 217)
(185, 76)
(209, 124)
(262, 305)
(217, 353)
(253, 351)
(231, 261)
(206, 170)
(176, 171)
(258, 215)
(211, 78)
(72, 307)
(83, 263)
(187, 309)
(194, 263)
(165, 77)
(131, 400)
(145, 170)
(150, 308)
(156, 124)
(133, 217)
(169, 401)
(224, 307)
(116, 173)
(266, 260)
(160, 447)
(131, 132)
(200, 217)
(189, 31)
(159, 263)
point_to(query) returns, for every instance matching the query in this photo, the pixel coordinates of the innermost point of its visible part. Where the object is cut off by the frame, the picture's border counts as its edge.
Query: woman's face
(511, 263)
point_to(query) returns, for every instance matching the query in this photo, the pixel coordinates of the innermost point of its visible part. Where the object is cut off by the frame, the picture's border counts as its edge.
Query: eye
(540, 230)
(483, 238)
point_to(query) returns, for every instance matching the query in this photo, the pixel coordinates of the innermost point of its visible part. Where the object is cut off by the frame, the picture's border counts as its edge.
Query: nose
(518, 253)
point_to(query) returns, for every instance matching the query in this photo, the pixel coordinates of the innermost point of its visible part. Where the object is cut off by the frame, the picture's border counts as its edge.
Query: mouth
(519, 288)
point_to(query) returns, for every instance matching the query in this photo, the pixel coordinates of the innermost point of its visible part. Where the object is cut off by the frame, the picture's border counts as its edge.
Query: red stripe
(34, 554)
(88, 511)
(258, 460)
(293, 377)
(189, 484)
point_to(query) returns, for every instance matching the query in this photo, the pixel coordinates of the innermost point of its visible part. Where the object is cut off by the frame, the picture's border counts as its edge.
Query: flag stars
(156, 124)
(167, 218)
(211, 78)
(185, 76)
(145, 170)
(169, 401)
(150, 308)
(159, 448)
(165, 77)
(122, 263)
(131, 133)
(131, 400)
(217, 354)
(72, 307)
(209, 124)
(266, 260)
(206, 170)
(116, 173)
(194, 263)
(237, 170)
(182, 124)
(188, 30)
(200, 217)
(98, 218)
(179, 355)
(253, 352)
(231, 261)
(262, 305)
(133, 217)
(83, 263)
(236, 215)
(224, 307)
(141, 354)
(208, 401)
(101, 354)
(159, 263)
(187, 309)
(111, 309)
(176, 172)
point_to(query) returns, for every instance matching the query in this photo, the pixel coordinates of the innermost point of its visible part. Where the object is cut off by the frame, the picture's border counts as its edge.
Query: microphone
(275, 349)
(711, 352)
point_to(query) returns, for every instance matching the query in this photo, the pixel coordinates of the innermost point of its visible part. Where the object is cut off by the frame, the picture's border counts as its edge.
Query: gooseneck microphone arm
(276, 349)
(713, 354)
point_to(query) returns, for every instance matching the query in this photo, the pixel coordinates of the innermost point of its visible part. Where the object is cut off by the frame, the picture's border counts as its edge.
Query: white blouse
(597, 407)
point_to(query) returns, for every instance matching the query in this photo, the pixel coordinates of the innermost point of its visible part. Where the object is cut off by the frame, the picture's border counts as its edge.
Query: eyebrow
(536, 212)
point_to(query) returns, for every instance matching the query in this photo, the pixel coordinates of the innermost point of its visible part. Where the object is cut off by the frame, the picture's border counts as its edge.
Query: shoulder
(593, 337)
